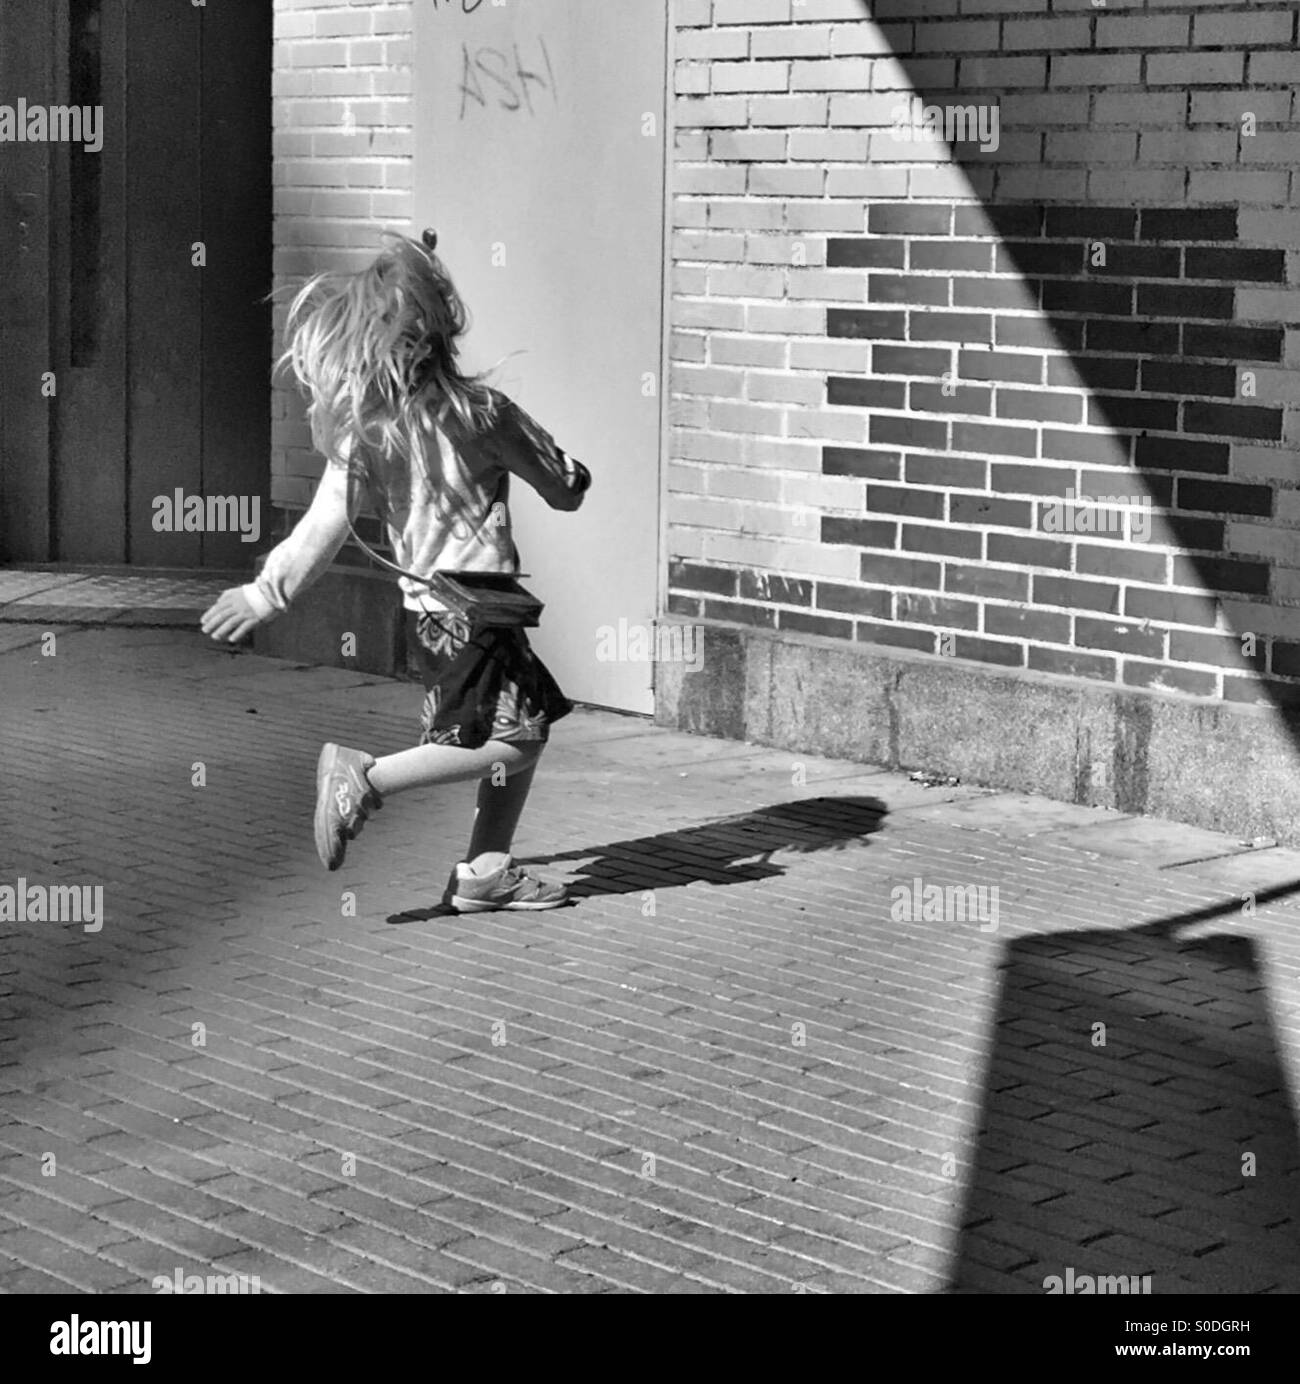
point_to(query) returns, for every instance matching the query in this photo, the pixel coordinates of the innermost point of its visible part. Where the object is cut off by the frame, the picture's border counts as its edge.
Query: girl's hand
(230, 617)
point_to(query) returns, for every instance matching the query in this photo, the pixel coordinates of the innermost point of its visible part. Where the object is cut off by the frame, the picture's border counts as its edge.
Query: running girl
(433, 449)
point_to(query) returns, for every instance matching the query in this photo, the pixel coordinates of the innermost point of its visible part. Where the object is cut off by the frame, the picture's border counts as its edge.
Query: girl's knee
(515, 758)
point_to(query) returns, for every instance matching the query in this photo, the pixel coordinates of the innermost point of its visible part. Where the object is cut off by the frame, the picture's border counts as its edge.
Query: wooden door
(142, 269)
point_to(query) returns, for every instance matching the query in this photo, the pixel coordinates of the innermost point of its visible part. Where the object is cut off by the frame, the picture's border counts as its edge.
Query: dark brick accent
(1120, 411)
(1076, 595)
(908, 218)
(1182, 377)
(909, 431)
(1177, 300)
(1039, 257)
(1091, 299)
(1222, 651)
(1064, 334)
(1222, 574)
(862, 253)
(1135, 262)
(1121, 639)
(1097, 372)
(907, 288)
(1224, 497)
(1094, 223)
(1039, 406)
(990, 509)
(905, 500)
(1112, 482)
(1258, 691)
(1134, 338)
(937, 610)
(1205, 223)
(1241, 266)
(896, 636)
(859, 461)
(1233, 343)
(1014, 622)
(1073, 663)
(1030, 552)
(910, 360)
(1160, 675)
(952, 326)
(737, 613)
(930, 398)
(990, 651)
(1008, 220)
(1097, 560)
(1004, 583)
(1178, 454)
(853, 600)
(802, 623)
(1232, 420)
(1169, 607)
(883, 569)
(1089, 447)
(865, 393)
(764, 586)
(947, 542)
(972, 256)
(968, 473)
(858, 533)
(995, 293)
(1286, 660)
(693, 576)
(858, 323)
(1009, 478)
(990, 437)
(1000, 365)
(1198, 535)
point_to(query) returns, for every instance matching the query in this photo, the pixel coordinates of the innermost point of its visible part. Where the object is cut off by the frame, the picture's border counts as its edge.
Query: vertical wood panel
(90, 465)
(165, 331)
(236, 190)
(25, 336)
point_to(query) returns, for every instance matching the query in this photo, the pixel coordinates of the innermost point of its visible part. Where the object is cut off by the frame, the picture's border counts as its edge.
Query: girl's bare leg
(427, 765)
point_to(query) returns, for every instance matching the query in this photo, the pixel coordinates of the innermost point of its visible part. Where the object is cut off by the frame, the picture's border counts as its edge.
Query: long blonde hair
(378, 351)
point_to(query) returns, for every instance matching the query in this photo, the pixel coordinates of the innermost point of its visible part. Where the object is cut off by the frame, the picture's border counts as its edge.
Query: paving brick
(777, 1167)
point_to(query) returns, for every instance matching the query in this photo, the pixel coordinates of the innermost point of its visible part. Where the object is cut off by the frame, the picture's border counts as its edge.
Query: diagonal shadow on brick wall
(1153, 334)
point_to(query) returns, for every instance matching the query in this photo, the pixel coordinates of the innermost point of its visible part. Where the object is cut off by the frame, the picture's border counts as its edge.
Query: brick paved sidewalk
(726, 1068)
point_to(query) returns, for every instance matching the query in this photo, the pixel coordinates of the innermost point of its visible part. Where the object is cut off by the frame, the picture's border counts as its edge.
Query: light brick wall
(343, 160)
(826, 276)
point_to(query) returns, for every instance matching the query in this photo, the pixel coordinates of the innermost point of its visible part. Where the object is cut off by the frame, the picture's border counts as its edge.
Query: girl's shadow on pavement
(732, 850)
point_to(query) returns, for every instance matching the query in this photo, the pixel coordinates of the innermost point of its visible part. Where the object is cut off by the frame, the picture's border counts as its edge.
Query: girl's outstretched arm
(291, 567)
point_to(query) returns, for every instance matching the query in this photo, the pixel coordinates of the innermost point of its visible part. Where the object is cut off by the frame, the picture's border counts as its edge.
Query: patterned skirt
(482, 684)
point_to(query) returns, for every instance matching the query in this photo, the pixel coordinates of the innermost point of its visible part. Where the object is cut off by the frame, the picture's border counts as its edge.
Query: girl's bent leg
(432, 764)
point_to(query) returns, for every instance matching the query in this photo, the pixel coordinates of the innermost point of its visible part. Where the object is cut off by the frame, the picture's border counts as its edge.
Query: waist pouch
(485, 600)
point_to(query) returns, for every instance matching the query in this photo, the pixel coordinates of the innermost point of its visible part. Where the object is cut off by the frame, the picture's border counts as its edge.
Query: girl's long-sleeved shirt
(446, 508)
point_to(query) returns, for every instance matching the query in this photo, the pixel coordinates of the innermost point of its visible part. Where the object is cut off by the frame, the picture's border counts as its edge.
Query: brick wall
(890, 364)
(343, 160)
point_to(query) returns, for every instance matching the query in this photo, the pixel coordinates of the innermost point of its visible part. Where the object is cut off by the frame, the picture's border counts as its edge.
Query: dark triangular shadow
(1169, 1152)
